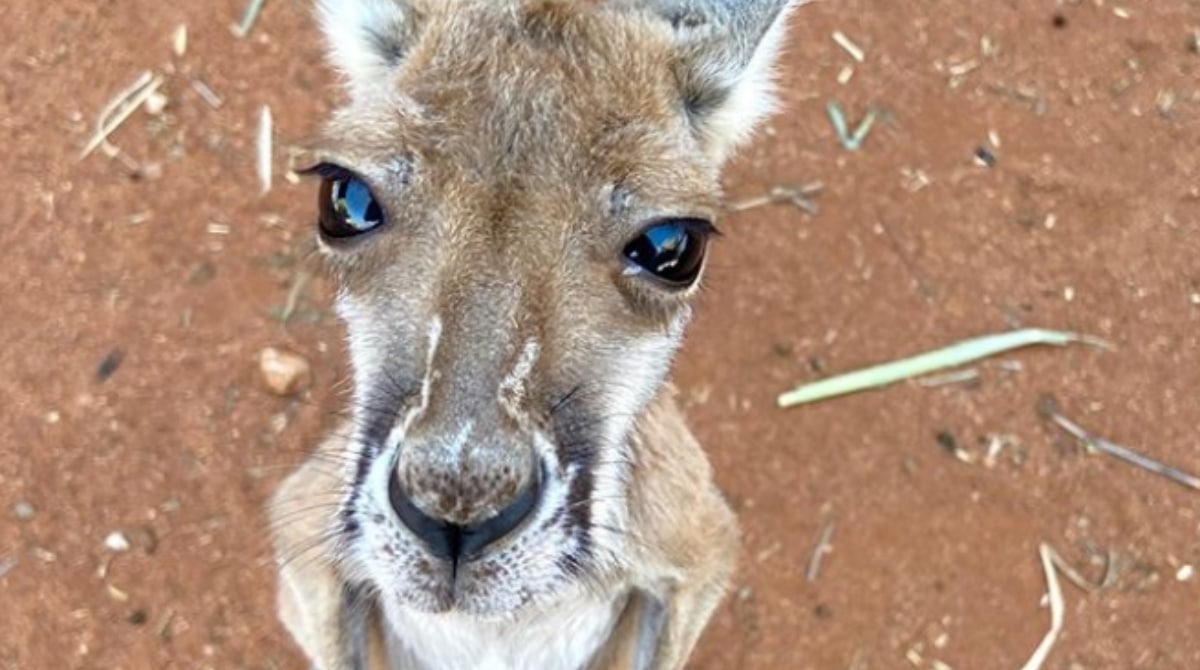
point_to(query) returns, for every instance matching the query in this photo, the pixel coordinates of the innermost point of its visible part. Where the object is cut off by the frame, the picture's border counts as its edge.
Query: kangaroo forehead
(505, 92)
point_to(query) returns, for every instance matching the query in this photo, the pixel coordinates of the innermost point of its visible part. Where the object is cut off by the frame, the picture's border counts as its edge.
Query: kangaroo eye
(672, 251)
(347, 206)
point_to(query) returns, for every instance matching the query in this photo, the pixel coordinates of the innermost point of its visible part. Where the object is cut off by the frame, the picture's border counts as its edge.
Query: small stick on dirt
(1110, 570)
(164, 625)
(850, 141)
(800, 196)
(299, 282)
(265, 152)
(823, 547)
(124, 94)
(206, 94)
(960, 377)
(120, 108)
(1072, 574)
(1054, 595)
(1048, 407)
(924, 286)
(850, 47)
(179, 40)
(249, 18)
(114, 152)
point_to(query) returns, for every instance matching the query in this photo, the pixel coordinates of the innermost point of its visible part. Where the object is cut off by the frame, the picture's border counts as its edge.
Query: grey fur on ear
(368, 39)
(731, 29)
(725, 70)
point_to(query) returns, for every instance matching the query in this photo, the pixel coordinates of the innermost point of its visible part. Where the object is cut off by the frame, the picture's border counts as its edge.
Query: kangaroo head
(516, 205)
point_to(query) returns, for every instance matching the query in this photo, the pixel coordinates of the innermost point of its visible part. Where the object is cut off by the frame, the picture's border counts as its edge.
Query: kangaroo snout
(460, 503)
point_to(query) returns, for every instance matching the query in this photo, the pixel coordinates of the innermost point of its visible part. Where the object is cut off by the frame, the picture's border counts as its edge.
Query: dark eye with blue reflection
(672, 251)
(347, 206)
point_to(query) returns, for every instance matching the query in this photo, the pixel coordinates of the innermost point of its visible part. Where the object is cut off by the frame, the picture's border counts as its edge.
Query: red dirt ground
(934, 559)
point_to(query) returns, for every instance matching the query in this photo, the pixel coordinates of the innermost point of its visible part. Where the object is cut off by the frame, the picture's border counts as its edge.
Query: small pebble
(985, 157)
(23, 510)
(116, 542)
(1185, 573)
(155, 104)
(946, 439)
(285, 374)
(108, 367)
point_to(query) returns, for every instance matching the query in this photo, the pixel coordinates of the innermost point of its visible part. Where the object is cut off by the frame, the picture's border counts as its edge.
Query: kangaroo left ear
(369, 39)
(727, 50)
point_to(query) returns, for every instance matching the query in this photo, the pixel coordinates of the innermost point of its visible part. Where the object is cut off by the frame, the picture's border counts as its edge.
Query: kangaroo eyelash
(704, 227)
(327, 171)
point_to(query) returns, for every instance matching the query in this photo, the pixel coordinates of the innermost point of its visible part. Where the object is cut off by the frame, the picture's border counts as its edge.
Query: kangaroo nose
(464, 542)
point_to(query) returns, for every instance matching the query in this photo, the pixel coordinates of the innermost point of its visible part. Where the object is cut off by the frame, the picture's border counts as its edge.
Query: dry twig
(299, 283)
(120, 108)
(1048, 407)
(1054, 595)
(249, 18)
(206, 94)
(823, 547)
(856, 52)
(957, 377)
(1074, 576)
(265, 151)
(800, 196)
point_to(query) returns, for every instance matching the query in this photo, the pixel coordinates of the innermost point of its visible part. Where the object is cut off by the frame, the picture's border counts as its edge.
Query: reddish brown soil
(932, 557)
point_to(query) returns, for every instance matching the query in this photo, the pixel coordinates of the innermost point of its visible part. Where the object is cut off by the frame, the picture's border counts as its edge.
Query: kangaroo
(516, 205)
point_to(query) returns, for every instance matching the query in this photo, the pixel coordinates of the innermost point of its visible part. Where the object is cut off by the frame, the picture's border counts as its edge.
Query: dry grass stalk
(120, 108)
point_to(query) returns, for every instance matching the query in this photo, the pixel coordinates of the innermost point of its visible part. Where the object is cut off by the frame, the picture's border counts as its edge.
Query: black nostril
(475, 537)
(437, 534)
(454, 542)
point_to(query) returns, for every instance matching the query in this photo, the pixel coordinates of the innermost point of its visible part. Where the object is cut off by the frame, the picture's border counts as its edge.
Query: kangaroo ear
(725, 67)
(368, 39)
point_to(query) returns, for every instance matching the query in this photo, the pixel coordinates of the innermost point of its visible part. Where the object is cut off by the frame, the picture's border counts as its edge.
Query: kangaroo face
(516, 205)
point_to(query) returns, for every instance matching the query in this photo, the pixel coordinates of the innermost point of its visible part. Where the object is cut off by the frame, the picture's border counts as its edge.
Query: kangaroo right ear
(368, 39)
(726, 51)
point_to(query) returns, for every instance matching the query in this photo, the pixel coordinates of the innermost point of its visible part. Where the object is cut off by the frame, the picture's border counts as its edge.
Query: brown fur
(516, 147)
